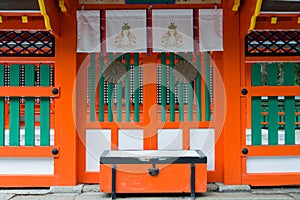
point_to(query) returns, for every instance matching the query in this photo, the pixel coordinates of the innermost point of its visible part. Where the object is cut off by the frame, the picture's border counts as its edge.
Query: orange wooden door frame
(64, 124)
(150, 115)
(262, 179)
(232, 81)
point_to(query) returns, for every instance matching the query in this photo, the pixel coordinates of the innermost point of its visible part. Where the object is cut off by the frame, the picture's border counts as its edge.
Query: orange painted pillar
(150, 112)
(231, 67)
(65, 73)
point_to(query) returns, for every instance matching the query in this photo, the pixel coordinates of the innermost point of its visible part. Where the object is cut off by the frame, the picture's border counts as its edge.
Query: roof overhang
(33, 15)
(270, 14)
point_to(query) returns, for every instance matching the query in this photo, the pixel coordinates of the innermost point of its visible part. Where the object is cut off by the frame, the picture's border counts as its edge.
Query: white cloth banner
(211, 29)
(172, 30)
(88, 31)
(126, 31)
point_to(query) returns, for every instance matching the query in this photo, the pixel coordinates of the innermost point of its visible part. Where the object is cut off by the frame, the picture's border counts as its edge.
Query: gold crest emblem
(125, 39)
(172, 38)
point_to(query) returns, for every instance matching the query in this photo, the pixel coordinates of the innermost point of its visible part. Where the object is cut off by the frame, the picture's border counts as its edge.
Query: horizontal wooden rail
(140, 125)
(255, 59)
(272, 91)
(28, 151)
(28, 91)
(268, 179)
(278, 150)
(28, 180)
(146, 6)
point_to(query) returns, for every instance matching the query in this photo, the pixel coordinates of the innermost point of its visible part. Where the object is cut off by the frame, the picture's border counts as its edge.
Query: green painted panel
(256, 108)
(180, 94)
(110, 102)
(14, 114)
(110, 88)
(172, 88)
(29, 106)
(198, 88)
(190, 91)
(207, 85)
(163, 86)
(289, 105)
(256, 121)
(190, 100)
(272, 80)
(190, 57)
(136, 87)
(119, 94)
(181, 102)
(2, 108)
(45, 107)
(256, 75)
(119, 102)
(92, 87)
(127, 88)
(101, 89)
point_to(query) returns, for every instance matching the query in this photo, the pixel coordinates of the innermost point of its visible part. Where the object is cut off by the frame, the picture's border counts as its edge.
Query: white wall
(273, 164)
(34, 166)
(97, 141)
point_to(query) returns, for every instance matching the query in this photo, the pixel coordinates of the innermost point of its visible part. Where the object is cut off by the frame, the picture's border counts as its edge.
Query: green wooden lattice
(172, 88)
(136, 88)
(45, 107)
(163, 86)
(272, 80)
(14, 116)
(289, 105)
(92, 87)
(256, 76)
(29, 107)
(2, 108)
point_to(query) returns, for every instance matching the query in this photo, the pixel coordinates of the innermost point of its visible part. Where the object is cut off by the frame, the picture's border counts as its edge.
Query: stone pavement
(91, 192)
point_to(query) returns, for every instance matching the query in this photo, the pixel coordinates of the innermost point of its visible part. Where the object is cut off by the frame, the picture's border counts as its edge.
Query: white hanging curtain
(211, 29)
(172, 30)
(88, 31)
(126, 31)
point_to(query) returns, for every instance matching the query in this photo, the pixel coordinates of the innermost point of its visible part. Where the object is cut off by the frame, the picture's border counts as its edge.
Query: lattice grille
(272, 43)
(26, 43)
(132, 89)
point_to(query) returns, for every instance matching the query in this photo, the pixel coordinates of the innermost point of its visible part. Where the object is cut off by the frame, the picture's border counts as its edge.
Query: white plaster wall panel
(169, 139)
(97, 141)
(131, 139)
(204, 140)
(25, 166)
(273, 164)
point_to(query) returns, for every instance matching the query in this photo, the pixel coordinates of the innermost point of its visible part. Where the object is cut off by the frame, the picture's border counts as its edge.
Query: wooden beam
(65, 7)
(11, 23)
(236, 5)
(47, 18)
(176, 2)
(50, 12)
(28, 151)
(283, 22)
(28, 91)
(232, 81)
(255, 14)
(247, 9)
(146, 6)
(101, 2)
(197, 2)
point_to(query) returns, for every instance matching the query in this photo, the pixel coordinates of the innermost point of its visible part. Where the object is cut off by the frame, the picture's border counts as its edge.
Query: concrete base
(216, 191)
(6, 196)
(212, 187)
(91, 188)
(233, 188)
(66, 189)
